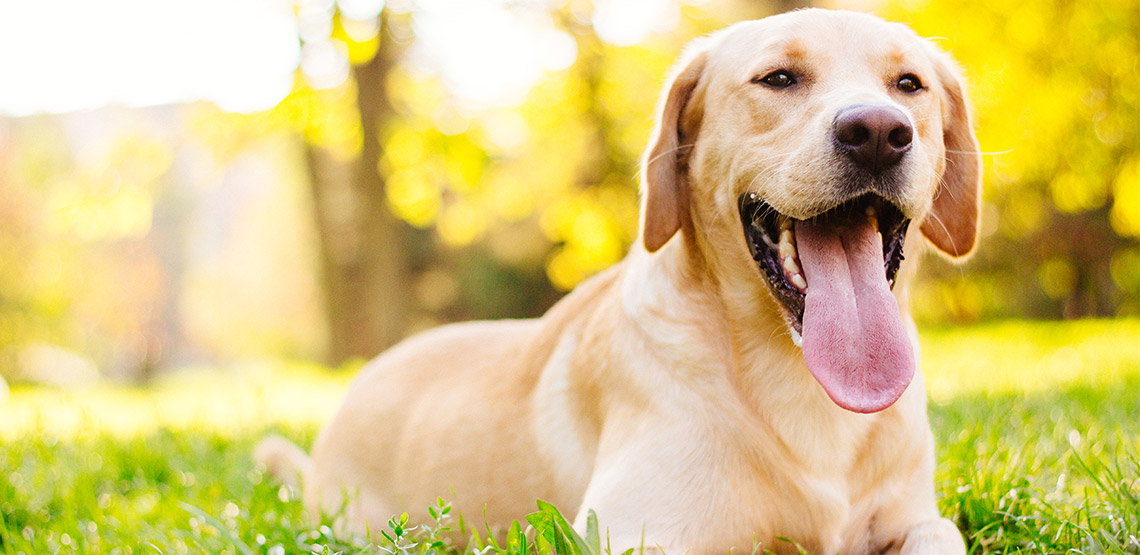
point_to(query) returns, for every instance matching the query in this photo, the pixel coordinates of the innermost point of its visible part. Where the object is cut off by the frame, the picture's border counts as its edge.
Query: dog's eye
(909, 83)
(779, 79)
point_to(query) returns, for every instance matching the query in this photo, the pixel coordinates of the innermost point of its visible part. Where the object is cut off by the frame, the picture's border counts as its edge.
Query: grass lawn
(1038, 430)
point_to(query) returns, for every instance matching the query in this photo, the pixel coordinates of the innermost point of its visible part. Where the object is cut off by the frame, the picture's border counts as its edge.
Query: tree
(364, 248)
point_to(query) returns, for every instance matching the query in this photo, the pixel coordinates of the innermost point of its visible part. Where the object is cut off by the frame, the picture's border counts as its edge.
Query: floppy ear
(952, 224)
(664, 200)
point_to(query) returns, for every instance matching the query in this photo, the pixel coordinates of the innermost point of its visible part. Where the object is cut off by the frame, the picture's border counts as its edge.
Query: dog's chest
(821, 439)
(824, 519)
(817, 478)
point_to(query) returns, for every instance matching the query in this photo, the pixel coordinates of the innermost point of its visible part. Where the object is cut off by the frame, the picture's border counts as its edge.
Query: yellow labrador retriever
(748, 372)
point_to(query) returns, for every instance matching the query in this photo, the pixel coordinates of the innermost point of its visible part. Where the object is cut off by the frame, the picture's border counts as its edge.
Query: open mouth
(834, 275)
(771, 239)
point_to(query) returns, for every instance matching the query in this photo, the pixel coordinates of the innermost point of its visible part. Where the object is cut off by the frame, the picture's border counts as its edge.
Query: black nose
(874, 137)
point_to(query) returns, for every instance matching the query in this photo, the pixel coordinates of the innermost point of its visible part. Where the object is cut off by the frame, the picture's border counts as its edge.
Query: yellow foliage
(462, 223)
(590, 240)
(414, 196)
(124, 214)
(1073, 193)
(464, 166)
(360, 38)
(414, 94)
(1024, 213)
(326, 118)
(509, 195)
(114, 199)
(1057, 277)
(403, 149)
(564, 271)
(1125, 268)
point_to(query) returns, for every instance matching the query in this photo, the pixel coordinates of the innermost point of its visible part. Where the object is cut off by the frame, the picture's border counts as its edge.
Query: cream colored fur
(666, 393)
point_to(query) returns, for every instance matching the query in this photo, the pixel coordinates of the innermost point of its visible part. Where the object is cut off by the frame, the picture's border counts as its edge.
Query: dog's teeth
(789, 257)
(794, 274)
(784, 223)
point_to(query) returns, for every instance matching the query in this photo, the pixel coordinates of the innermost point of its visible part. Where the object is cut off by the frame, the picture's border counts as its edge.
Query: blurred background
(188, 183)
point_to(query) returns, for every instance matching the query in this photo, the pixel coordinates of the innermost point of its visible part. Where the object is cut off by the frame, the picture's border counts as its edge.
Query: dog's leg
(671, 488)
(283, 460)
(934, 537)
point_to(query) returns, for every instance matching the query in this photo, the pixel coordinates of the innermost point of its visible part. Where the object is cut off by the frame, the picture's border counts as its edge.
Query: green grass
(1038, 430)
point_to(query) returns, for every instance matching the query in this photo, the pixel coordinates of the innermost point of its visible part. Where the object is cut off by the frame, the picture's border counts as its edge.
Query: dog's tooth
(793, 272)
(791, 265)
(799, 282)
(788, 255)
(787, 246)
(872, 217)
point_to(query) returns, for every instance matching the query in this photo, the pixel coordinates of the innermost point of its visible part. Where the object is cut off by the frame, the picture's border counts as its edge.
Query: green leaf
(516, 540)
(545, 527)
(541, 546)
(553, 527)
(799, 549)
(593, 540)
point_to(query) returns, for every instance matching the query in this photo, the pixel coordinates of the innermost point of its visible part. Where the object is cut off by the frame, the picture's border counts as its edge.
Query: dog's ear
(664, 199)
(952, 224)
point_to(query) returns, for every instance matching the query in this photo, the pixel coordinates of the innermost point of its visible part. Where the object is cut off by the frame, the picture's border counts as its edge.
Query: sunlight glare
(69, 55)
(324, 63)
(360, 10)
(486, 53)
(628, 22)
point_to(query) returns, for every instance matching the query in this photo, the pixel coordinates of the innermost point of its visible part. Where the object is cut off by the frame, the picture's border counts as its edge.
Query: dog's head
(796, 151)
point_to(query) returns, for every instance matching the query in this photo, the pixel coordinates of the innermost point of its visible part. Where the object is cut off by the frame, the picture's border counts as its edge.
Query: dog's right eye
(779, 79)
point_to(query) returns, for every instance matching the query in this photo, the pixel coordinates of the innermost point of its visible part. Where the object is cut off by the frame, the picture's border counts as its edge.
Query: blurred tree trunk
(364, 248)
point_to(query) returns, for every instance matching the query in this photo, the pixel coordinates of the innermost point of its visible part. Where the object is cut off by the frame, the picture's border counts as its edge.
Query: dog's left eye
(779, 79)
(909, 83)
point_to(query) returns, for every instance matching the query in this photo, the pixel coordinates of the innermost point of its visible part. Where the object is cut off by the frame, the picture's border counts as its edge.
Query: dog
(749, 371)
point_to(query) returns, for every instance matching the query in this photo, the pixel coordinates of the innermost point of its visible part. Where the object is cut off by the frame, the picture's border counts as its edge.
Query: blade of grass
(222, 528)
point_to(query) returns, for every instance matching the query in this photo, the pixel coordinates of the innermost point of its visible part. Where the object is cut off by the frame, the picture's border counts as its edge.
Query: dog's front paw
(934, 537)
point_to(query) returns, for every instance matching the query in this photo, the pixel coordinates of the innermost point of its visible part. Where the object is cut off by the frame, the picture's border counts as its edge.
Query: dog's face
(797, 150)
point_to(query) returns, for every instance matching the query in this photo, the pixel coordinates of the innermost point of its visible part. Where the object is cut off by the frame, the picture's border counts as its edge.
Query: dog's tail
(284, 460)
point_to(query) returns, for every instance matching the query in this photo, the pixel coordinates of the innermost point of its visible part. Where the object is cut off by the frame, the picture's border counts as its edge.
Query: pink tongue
(854, 340)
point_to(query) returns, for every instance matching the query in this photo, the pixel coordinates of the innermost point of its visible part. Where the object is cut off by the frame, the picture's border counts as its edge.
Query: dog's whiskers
(942, 224)
(994, 153)
(677, 148)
